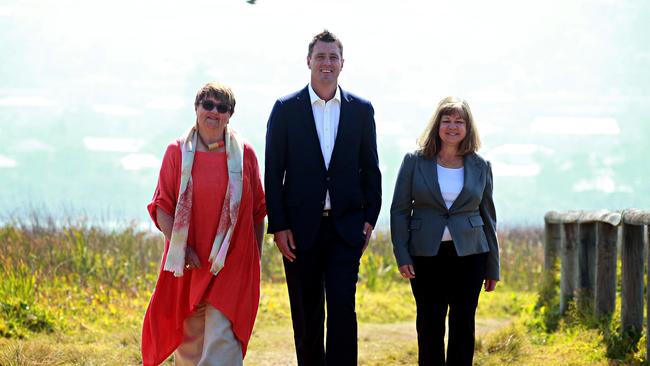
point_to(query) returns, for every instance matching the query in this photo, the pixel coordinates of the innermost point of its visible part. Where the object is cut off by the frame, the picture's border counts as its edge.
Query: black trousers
(447, 282)
(327, 271)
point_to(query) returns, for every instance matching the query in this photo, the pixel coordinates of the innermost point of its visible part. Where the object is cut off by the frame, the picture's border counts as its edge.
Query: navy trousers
(324, 275)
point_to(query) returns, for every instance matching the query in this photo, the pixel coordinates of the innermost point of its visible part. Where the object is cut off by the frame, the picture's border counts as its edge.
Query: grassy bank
(76, 294)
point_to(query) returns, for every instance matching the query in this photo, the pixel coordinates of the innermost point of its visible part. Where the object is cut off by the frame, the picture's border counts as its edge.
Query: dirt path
(379, 344)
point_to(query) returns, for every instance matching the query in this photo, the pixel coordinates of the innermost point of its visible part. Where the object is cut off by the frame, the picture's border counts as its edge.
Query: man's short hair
(324, 36)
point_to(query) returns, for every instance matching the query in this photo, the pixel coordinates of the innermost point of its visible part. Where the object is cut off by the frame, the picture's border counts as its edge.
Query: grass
(100, 336)
(75, 294)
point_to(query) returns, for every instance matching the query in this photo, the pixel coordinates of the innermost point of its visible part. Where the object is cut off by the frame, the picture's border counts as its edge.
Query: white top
(326, 117)
(451, 183)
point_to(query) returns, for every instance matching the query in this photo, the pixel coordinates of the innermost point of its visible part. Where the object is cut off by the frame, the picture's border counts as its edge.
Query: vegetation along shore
(75, 294)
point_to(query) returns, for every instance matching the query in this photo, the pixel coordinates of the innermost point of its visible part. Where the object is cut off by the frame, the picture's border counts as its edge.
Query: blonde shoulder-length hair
(429, 141)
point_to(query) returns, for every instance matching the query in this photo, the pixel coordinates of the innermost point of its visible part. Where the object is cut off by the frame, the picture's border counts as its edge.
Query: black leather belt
(327, 213)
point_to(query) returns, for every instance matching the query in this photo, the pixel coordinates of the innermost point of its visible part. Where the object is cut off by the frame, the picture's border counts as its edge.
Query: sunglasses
(209, 105)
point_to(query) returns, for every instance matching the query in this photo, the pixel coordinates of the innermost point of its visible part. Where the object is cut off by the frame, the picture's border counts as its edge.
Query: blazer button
(446, 216)
(327, 179)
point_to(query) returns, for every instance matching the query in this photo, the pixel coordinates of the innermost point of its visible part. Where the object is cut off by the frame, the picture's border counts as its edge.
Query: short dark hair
(324, 36)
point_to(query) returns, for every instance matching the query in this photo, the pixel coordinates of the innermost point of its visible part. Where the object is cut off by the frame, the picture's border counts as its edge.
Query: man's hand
(490, 285)
(367, 231)
(191, 259)
(284, 240)
(407, 271)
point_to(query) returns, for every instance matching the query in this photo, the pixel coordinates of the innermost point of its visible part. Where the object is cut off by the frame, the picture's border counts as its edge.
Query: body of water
(90, 97)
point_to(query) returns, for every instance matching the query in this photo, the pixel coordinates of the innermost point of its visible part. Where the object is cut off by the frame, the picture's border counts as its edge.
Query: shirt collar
(314, 97)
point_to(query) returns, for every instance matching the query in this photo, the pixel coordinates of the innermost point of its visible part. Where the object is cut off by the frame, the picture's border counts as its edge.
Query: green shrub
(19, 317)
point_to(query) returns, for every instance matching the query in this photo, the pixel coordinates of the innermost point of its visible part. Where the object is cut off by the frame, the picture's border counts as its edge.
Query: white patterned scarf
(235, 159)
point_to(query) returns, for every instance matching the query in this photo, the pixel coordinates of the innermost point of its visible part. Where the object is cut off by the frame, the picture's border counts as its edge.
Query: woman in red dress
(209, 204)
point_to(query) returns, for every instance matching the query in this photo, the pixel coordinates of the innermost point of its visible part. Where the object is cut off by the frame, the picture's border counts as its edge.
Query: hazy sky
(98, 89)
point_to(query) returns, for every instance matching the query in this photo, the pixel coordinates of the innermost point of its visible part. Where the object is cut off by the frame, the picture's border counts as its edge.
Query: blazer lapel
(308, 125)
(472, 174)
(429, 172)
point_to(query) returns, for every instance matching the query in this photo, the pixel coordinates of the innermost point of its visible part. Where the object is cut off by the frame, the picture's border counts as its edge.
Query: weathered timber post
(606, 269)
(569, 264)
(635, 220)
(586, 264)
(597, 260)
(552, 240)
(647, 327)
(632, 276)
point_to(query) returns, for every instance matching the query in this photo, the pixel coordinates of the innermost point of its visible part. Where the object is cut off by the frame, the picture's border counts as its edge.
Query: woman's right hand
(407, 271)
(191, 259)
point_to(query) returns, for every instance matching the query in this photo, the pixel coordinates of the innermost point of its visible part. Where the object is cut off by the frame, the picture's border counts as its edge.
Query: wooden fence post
(552, 243)
(647, 329)
(569, 265)
(586, 264)
(606, 269)
(633, 224)
(632, 278)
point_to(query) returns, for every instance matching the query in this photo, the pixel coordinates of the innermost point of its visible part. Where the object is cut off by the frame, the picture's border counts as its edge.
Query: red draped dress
(235, 290)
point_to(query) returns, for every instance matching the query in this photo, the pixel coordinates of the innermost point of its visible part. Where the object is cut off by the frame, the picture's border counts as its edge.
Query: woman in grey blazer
(443, 228)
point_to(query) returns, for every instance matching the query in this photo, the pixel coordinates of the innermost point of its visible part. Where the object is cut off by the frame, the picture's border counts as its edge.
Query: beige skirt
(208, 340)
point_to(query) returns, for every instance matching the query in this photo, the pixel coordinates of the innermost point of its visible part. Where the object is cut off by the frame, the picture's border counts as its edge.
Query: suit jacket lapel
(472, 175)
(429, 172)
(341, 132)
(308, 125)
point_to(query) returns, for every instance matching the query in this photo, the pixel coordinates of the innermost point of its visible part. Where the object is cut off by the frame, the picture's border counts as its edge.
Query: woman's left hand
(490, 285)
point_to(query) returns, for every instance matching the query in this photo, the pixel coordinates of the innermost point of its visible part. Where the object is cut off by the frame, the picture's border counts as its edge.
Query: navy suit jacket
(296, 179)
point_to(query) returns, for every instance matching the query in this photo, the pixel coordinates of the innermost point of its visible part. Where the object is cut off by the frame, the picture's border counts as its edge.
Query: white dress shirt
(451, 183)
(326, 117)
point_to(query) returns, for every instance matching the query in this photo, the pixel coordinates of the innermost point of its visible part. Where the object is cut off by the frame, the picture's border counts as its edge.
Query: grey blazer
(418, 214)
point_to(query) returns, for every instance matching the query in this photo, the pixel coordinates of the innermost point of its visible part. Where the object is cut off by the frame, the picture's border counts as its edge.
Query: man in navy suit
(323, 195)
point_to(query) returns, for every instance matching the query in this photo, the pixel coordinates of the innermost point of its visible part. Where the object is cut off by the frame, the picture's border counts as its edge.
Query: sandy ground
(379, 344)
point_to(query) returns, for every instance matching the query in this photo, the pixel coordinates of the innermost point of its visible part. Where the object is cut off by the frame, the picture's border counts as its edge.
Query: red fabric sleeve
(168, 184)
(259, 201)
